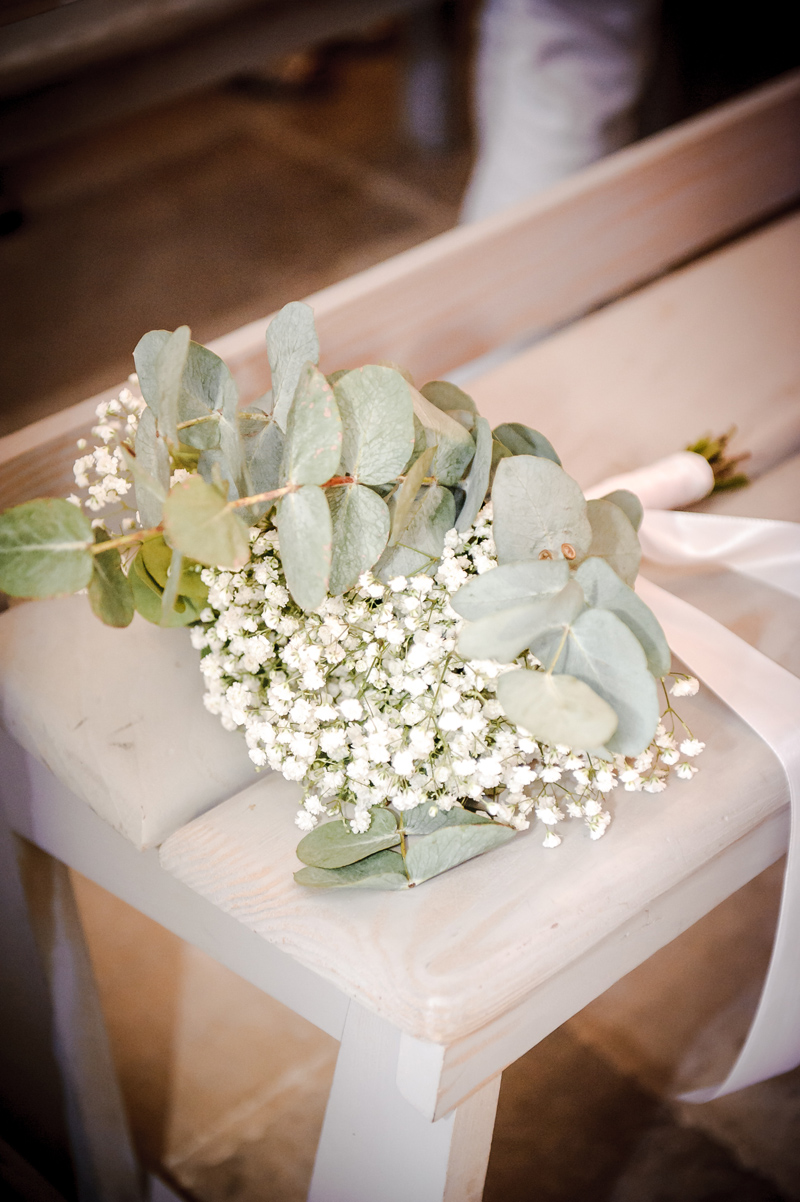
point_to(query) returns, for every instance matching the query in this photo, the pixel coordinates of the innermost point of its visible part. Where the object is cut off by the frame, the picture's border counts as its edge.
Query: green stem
(275, 493)
(558, 652)
(125, 540)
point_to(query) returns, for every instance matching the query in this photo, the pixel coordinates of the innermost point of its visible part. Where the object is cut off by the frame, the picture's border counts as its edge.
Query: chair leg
(376, 1147)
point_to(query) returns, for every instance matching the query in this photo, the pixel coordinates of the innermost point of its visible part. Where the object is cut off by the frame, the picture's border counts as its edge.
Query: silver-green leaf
(476, 484)
(451, 845)
(334, 844)
(509, 585)
(454, 446)
(408, 492)
(377, 423)
(556, 709)
(360, 531)
(522, 440)
(505, 635)
(44, 549)
(110, 593)
(305, 532)
(538, 509)
(629, 503)
(384, 870)
(291, 342)
(313, 445)
(420, 546)
(604, 590)
(613, 539)
(199, 523)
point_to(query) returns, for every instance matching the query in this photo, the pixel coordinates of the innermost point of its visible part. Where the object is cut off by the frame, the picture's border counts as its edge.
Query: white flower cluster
(367, 702)
(102, 471)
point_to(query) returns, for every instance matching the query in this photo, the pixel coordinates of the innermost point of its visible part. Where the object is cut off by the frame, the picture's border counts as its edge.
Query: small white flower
(685, 688)
(685, 771)
(692, 747)
(351, 709)
(551, 839)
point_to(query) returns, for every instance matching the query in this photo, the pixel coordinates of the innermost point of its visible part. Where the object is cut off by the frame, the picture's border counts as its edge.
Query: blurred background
(206, 161)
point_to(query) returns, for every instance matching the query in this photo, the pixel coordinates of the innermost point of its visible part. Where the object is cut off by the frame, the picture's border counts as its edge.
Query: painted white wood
(375, 1147)
(146, 755)
(105, 1164)
(41, 809)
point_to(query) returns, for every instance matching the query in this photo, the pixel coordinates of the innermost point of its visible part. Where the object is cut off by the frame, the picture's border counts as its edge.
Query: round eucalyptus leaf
(150, 468)
(629, 503)
(360, 531)
(505, 635)
(420, 821)
(148, 594)
(451, 399)
(160, 358)
(538, 509)
(522, 440)
(291, 342)
(145, 358)
(601, 651)
(556, 709)
(509, 585)
(384, 870)
(313, 444)
(199, 523)
(263, 448)
(455, 448)
(44, 549)
(613, 539)
(476, 484)
(334, 844)
(420, 545)
(110, 592)
(377, 423)
(604, 590)
(429, 855)
(408, 492)
(305, 532)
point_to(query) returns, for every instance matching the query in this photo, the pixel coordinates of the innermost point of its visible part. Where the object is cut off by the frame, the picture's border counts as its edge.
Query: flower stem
(125, 540)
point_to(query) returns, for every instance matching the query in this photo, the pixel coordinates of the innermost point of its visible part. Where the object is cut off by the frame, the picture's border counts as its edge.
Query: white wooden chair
(684, 248)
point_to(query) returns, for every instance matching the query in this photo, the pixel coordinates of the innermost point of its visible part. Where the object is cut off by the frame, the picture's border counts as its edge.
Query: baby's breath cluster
(367, 702)
(102, 472)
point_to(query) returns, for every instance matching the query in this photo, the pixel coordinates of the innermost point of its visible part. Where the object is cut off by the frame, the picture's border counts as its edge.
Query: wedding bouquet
(421, 619)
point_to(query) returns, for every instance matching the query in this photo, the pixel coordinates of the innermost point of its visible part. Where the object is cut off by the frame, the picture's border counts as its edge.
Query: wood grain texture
(595, 236)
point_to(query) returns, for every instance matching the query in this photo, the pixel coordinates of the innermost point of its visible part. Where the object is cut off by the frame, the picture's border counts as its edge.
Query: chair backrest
(584, 242)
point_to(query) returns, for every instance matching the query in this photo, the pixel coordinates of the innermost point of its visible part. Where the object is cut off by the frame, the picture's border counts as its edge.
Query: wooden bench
(686, 248)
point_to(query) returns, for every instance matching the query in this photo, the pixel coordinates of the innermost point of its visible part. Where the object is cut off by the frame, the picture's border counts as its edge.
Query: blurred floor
(226, 1088)
(212, 211)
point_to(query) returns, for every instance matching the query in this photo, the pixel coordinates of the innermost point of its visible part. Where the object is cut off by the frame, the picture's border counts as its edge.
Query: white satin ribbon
(767, 697)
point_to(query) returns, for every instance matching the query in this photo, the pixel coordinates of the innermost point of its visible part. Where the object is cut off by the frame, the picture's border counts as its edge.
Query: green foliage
(505, 635)
(629, 503)
(420, 545)
(454, 446)
(452, 845)
(476, 483)
(160, 358)
(148, 596)
(408, 492)
(377, 423)
(199, 523)
(110, 592)
(603, 589)
(599, 649)
(538, 509)
(508, 585)
(291, 343)
(313, 445)
(305, 531)
(150, 470)
(450, 399)
(613, 539)
(263, 449)
(44, 549)
(384, 870)
(360, 524)
(522, 440)
(556, 709)
(333, 844)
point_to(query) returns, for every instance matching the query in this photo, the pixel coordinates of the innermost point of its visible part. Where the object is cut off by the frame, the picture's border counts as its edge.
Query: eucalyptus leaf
(522, 440)
(199, 523)
(420, 546)
(291, 343)
(145, 359)
(110, 592)
(420, 821)
(601, 651)
(451, 845)
(604, 590)
(313, 444)
(334, 844)
(505, 635)
(384, 870)
(157, 559)
(169, 364)
(377, 423)
(263, 449)
(508, 585)
(451, 399)
(208, 396)
(44, 549)
(306, 533)
(360, 527)
(170, 594)
(150, 469)
(147, 594)
(629, 503)
(556, 709)
(538, 510)
(476, 484)
(454, 446)
(613, 539)
(407, 493)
